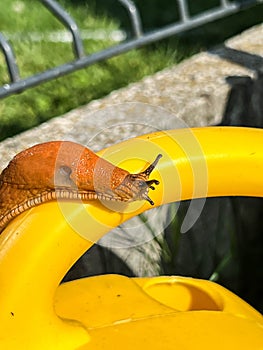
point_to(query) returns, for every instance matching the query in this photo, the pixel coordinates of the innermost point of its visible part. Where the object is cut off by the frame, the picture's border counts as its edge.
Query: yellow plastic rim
(39, 246)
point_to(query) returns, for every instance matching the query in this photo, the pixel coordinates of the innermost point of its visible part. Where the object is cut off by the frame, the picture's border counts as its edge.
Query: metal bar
(183, 9)
(224, 3)
(10, 59)
(134, 17)
(195, 21)
(246, 3)
(69, 23)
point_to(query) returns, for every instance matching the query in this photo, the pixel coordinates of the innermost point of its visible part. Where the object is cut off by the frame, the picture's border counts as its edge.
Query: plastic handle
(39, 246)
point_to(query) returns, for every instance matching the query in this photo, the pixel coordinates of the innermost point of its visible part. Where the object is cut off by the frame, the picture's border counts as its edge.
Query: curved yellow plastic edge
(39, 246)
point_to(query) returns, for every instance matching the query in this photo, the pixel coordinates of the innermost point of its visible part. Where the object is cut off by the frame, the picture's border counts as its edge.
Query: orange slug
(66, 170)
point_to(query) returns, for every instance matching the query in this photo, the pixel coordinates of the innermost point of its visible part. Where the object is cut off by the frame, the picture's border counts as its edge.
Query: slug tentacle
(67, 171)
(150, 168)
(136, 186)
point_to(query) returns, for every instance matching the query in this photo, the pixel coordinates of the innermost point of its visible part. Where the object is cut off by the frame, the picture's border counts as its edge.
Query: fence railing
(138, 38)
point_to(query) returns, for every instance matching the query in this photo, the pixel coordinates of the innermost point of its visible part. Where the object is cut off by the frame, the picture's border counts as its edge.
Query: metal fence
(138, 38)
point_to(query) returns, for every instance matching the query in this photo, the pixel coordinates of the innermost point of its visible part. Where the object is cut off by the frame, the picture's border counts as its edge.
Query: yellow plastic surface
(115, 312)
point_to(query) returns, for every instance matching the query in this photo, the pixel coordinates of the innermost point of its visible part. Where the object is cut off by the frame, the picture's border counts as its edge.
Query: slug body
(66, 170)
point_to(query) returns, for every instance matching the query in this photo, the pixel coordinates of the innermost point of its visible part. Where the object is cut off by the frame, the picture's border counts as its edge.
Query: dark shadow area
(156, 14)
(245, 59)
(98, 260)
(245, 103)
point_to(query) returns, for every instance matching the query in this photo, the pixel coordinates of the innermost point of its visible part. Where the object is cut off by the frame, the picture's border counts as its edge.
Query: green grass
(23, 111)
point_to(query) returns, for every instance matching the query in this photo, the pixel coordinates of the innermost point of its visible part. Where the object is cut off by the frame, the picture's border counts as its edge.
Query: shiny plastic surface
(39, 246)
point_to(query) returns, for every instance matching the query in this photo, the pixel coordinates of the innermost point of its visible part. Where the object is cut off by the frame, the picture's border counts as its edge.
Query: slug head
(136, 186)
